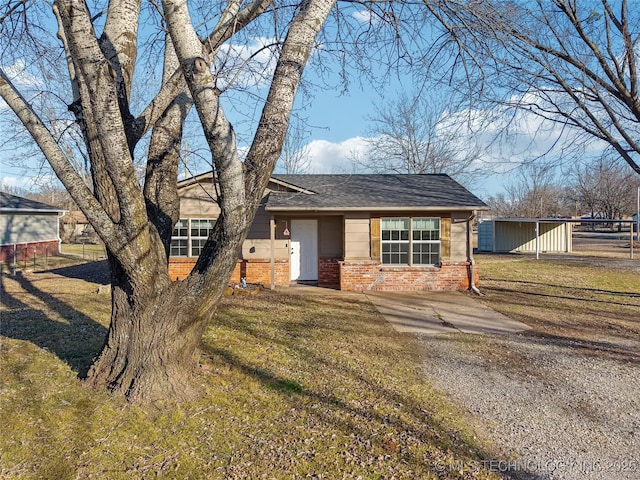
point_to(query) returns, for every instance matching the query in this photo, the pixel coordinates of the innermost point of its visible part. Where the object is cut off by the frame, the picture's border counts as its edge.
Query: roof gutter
(30, 210)
(375, 209)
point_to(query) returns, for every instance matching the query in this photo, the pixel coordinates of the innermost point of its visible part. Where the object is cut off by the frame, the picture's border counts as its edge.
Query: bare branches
(72, 180)
(575, 60)
(419, 134)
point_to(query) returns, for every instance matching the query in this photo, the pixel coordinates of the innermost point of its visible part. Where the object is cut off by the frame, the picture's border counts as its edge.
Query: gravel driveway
(556, 409)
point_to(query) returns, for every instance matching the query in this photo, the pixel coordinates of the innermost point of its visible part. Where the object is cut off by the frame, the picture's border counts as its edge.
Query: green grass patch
(87, 251)
(294, 386)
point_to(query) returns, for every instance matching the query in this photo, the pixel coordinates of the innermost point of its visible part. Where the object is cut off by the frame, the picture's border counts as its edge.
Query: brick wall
(180, 267)
(254, 270)
(371, 275)
(329, 272)
(49, 248)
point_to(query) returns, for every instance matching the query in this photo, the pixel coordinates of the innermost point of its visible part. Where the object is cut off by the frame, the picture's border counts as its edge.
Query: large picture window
(410, 241)
(189, 236)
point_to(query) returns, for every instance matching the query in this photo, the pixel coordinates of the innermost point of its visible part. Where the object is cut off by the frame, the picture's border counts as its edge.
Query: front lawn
(294, 386)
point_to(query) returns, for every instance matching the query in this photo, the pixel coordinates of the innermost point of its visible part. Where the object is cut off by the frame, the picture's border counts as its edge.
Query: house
(353, 232)
(27, 227)
(76, 228)
(526, 235)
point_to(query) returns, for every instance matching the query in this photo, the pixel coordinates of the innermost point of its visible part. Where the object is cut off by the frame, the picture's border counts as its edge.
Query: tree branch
(61, 166)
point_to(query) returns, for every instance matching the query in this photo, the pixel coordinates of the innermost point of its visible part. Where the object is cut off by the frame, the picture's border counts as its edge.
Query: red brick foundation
(329, 273)
(259, 271)
(254, 270)
(369, 275)
(42, 249)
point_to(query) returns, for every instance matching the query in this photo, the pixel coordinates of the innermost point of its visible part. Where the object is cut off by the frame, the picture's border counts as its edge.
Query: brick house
(352, 232)
(28, 228)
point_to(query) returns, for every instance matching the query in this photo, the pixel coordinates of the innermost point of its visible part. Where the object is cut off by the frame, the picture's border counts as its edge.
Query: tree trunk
(151, 351)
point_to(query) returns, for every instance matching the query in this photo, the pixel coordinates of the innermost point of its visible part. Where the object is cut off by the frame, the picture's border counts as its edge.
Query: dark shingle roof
(10, 202)
(362, 192)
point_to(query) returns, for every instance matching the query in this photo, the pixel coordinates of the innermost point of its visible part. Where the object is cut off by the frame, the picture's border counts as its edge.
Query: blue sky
(337, 127)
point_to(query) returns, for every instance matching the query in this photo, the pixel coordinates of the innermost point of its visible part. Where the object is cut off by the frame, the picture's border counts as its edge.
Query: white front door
(304, 250)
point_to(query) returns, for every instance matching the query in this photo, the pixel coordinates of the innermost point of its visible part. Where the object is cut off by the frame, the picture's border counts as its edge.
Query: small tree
(605, 187)
(295, 152)
(533, 193)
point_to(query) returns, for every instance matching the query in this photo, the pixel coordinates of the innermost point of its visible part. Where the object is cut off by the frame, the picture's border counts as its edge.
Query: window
(200, 230)
(189, 236)
(180, 240)
(426, 241)
(395, 240)
(410, 241)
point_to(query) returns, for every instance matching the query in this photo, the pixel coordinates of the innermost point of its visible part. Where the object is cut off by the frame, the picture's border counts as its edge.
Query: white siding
(28, 227)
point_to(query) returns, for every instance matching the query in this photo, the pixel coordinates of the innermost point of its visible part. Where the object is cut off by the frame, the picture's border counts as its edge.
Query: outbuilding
(28, 227)
(525, 235)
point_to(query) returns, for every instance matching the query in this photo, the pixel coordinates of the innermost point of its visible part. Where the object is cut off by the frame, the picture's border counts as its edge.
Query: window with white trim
(410, 241)
(180, 239)
(190, 235)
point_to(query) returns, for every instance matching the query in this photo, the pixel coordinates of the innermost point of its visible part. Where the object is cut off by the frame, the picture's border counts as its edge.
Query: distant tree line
(601, 188)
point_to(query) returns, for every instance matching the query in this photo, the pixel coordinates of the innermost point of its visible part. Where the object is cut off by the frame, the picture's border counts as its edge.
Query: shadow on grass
(384, 409)
(75, 339)
(567, 287)
(356, 421)
(96, 272)
(591, 348)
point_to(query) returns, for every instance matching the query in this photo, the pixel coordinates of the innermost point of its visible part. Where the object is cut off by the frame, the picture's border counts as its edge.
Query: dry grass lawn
(293, 387)
(587, 302)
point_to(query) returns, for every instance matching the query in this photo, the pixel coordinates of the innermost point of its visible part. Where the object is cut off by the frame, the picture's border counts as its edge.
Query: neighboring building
(353, 232)
(76, 228)
(27, 226)
(525, 235)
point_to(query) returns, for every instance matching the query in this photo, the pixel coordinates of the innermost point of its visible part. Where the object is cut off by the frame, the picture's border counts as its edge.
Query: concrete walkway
(440, 312)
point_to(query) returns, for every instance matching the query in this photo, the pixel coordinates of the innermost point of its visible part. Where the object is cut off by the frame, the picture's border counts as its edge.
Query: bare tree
(571, 62)
(417, 134)
(151, 346)
(605, 187)
(295, 151)
(533, 193)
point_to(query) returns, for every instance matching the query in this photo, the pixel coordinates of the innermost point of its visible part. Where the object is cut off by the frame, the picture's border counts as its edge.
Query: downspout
(470, 259)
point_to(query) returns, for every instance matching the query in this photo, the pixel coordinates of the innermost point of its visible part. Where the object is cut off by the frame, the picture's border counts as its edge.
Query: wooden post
(272, 230)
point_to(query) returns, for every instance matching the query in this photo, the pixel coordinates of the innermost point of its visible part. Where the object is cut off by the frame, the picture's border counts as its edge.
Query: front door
(304, 250)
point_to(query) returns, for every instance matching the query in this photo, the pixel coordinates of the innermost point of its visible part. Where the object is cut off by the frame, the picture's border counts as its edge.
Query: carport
(535, 235)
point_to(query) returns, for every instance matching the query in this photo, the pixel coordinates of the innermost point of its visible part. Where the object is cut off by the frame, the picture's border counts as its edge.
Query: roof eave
(31, 210)
(291, 186)
(462, 208)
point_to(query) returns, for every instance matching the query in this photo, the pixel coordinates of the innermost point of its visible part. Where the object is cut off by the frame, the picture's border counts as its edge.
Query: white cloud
(329, 157)
(365, 16)
(22, 183)
(19, 75)
(11, 182)
(250, 65)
